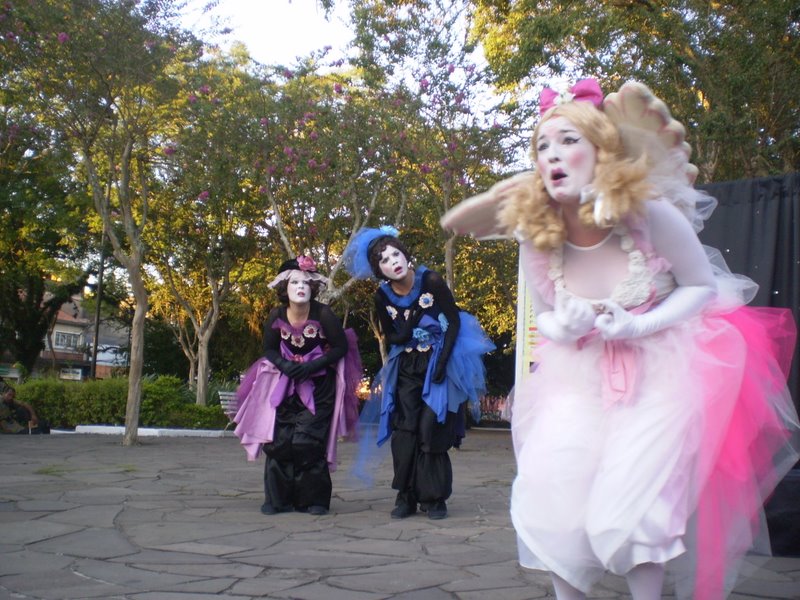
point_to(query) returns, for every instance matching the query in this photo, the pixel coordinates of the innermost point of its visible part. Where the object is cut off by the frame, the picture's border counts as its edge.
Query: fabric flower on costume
(426, 300)
(298, 341)
(310, 331)
(443, 322)
(285, 333)
(392, 312)
(306, 263)
(421, 335)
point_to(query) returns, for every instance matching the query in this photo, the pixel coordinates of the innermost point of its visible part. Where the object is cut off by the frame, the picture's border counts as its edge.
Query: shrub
(48, 399)
(166, 402)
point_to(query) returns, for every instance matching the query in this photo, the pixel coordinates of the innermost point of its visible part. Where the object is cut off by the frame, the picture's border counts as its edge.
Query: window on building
(66, 340)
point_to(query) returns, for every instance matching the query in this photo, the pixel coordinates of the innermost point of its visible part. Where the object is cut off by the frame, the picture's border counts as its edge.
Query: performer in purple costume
(297, 400)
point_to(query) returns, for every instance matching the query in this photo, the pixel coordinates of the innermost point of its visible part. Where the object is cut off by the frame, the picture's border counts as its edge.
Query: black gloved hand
(306, 370)
(407, 331)
(283, 365)
(439, 371)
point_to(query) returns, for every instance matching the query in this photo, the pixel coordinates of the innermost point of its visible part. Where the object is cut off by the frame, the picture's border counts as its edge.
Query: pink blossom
(202, 196)
(306, 263)
(337, 87)
(63, 38)
(308, 116)
(459, 97)
(288, 74)
(312, 230)
(264, 120)
(451, 67)
(444, 162)
(271, 169)
(204, 89)
(425, 169)
(313, 135)
(262, 190)
(192, 98)
(169, 150)
(287, 150)
(312, 163)
(452, 146)
(462, 180)
(423, 84)
(289, 169)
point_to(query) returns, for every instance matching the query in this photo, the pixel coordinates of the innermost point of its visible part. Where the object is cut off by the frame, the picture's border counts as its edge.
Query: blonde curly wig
(621, 179)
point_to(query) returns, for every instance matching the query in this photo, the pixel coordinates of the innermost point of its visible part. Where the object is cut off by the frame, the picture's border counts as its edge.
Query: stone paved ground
(178, 518)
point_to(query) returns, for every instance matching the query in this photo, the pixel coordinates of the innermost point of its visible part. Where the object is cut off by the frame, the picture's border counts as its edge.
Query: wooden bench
(228, 404)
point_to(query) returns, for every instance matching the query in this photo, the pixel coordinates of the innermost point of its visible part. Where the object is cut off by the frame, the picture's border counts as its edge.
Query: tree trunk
(193, 374)
(202, 367)
(134, 402)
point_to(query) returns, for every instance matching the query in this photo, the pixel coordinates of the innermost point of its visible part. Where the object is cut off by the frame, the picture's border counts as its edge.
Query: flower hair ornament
(301, 263)
(585, 90)
(356, 255)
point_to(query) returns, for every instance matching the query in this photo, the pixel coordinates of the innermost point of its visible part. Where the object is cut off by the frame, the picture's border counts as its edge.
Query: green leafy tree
(41, 242)
(728, 70)
(99, 72)
(206, 211)
(461, 142)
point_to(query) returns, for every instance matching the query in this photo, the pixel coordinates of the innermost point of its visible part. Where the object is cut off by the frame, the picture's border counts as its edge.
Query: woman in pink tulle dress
(657, 420)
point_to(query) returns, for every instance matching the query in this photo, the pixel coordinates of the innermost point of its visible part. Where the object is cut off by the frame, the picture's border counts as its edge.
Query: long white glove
(682, 303)
(570, 319)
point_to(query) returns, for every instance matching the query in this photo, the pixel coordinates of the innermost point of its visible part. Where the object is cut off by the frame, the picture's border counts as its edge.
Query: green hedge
(166, 402)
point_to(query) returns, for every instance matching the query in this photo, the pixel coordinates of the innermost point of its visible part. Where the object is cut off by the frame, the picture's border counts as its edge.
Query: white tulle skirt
(607, 484)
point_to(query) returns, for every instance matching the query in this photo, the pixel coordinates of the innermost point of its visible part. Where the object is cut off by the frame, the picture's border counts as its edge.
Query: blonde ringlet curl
(621, 179)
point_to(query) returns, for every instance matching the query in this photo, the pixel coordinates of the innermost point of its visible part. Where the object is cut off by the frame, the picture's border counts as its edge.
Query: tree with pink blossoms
(99, 72)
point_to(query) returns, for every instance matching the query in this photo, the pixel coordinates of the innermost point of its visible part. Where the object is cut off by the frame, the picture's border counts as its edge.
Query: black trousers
(422, 469)
(296, 471)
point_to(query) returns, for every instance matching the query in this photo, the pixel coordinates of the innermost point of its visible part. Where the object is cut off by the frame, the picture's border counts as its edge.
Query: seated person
(17, 416)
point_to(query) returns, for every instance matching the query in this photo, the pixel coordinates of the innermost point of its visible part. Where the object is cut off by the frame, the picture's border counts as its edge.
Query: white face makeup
(299, 288)
(565, 159)
(393, 264)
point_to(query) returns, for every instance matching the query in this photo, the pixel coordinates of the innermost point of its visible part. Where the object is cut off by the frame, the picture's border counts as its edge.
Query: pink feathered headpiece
(585, 90)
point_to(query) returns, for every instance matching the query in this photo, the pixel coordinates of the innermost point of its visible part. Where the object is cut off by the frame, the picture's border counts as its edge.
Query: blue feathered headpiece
(356, 255)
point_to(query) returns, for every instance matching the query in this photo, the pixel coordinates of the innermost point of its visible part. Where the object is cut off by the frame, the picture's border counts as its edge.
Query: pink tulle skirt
(676, 470)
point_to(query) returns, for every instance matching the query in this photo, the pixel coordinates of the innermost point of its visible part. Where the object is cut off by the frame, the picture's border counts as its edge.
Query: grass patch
(55, 470)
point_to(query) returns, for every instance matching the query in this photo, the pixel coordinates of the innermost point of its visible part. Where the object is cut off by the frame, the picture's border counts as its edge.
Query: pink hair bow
(585, 90)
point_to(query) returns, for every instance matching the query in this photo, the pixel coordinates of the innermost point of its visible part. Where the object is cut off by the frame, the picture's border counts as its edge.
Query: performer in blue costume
(433, 368)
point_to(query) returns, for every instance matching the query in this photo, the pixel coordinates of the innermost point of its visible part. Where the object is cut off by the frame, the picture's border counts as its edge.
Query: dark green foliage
(167, 402)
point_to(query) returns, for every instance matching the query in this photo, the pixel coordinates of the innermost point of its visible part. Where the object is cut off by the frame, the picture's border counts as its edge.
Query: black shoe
(317, 510)
(437, 510)
(401, 511)
(268, 509)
